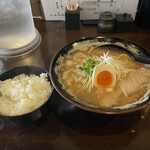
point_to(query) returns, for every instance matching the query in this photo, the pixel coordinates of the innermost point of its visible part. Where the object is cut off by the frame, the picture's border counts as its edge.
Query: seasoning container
(72, 17)
(106, 22)
(124, 23)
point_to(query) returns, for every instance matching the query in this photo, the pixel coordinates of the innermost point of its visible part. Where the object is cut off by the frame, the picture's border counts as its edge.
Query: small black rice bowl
(38, 113)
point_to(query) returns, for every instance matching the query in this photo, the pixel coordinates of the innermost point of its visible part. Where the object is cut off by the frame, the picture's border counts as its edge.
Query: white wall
(129, 6)
(90, 9)
(124, 6)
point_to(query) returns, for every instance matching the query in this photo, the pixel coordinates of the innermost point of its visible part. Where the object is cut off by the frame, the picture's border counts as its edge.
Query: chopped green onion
(88, 66)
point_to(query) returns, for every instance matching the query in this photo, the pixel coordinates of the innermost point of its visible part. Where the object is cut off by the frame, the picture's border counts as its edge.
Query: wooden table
(78, 129)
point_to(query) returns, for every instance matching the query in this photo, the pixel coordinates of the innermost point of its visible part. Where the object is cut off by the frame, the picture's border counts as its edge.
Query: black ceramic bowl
(37, 113)
(139, 50)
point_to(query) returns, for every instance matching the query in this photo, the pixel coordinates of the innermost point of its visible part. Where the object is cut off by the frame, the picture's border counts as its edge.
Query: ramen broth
(72, 78)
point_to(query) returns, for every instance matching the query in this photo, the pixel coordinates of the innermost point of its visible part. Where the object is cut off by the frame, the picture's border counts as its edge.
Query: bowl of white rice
(25, 93)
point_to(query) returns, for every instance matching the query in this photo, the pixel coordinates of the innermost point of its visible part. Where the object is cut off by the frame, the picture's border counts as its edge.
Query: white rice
(23, 94)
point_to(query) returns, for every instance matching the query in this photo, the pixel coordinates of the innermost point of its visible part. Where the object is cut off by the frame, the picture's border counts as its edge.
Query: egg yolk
(104, 79)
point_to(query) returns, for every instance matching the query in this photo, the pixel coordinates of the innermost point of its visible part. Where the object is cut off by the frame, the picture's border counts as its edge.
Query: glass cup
(17, 32)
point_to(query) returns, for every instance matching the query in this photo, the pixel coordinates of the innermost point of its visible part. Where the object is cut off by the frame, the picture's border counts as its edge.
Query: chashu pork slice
(134, 81)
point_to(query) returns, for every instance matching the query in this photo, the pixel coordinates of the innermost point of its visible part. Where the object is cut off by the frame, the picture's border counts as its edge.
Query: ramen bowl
(55, 73)
(35, 113)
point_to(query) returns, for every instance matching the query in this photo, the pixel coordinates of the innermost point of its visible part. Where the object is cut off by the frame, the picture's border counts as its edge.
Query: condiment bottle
(106, 22)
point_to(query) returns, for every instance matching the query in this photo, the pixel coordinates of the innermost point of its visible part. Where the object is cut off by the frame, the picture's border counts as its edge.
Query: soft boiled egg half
(104, 76)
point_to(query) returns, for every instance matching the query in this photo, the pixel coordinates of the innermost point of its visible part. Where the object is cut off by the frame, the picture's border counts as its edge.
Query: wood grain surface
(66, 127)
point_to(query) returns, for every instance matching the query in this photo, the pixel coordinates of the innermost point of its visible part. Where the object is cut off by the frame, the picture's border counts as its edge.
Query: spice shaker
(124, 23)
(106, 22)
